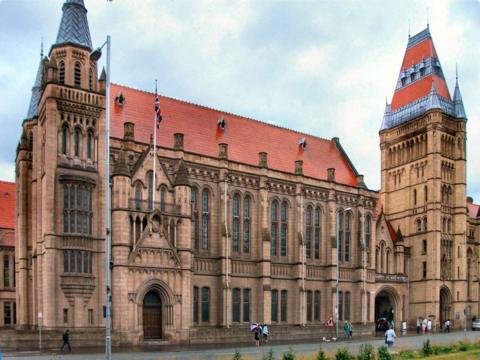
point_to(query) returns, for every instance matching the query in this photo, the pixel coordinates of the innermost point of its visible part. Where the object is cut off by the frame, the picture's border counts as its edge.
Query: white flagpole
(154, 147)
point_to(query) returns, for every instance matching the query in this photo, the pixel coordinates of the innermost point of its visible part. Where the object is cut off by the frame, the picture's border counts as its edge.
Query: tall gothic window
(246, 225)
(6, 271)
(162, 198)
(61, 73)
(236, 223)
(348, 216)
(317, 234)
(339, 234)
(90, 143)
(196, 236)
(368, 231)
(347, 306)
(76, 261)
(205, 304)
(205, 219)
(195, 304)
(274, 228)
(76, 142)
(309, 305)
(77, 74)
(283, 305)
(340, 306)
(138, 196)
(77, 209)
(308, 232)
(90, 79)
(150, 190)
(283, 230)
(236, 305)
(64, 139)
(246, 305)
(316, 306)
(274, 307)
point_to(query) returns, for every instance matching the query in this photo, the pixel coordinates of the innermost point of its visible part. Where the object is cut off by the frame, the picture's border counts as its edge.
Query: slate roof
(33, 107)
(245, 137)
(73, 27)
(7, 205)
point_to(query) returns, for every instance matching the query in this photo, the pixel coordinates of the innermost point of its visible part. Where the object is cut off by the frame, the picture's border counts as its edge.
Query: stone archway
(152, 315)
(445, 305)
(386, 309)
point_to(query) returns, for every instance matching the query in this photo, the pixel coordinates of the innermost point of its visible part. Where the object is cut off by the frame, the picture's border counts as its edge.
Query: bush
(406, 354)
(269, 355)
(366, 352)
(383, 353)
(321, 355)
(289, 355)
(464, 346)
(427, 349)
(237, 355)
(343, 354)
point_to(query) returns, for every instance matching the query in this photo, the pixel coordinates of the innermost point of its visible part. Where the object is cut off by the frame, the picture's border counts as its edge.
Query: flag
(158, 113)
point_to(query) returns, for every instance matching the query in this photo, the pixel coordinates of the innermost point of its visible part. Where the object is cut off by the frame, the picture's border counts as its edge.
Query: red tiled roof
(245, 137)
(418, 89)
(7, 239)
(473, 210)
(418, 52)
(7, 205)
(391, 231)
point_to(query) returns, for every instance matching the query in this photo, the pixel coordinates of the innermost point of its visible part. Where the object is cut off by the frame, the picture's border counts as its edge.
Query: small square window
(424, 247)
(90, 316)
(424, 270)
(65, 316)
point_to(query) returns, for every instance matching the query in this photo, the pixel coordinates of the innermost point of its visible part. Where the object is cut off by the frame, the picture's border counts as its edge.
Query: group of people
(347, 329)
(260, 333)
(424, 325)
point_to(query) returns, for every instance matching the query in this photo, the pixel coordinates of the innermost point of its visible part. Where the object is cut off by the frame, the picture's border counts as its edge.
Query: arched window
(236, 224)
(162, 198)
(64, 139)
(246, 225)
(316, 306)
(150, 190)
(274, 306)
(425, 194)
(317, 234)
(388, 262)
(61, 73)
(414, 197)
(308, 232)
(196, 235)
(283, 305)
(425, 224)
(309, 305)
(138, 196)
(274, 228)
(77, 74)
(368, 232)
(205, 304)
(339, 234)
(90, 79)
(90, 142)
(195, 305)
(348, 216)
(76, 142)
(246, 305)
(205, 219)
(236, 305)
(382, 258)
(283, 230)
(418, 224)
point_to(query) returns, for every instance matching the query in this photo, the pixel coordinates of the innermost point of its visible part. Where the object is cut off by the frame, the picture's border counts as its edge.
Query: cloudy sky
(322, 67)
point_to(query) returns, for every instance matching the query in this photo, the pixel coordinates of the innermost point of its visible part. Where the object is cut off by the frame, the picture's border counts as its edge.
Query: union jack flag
(158, 113)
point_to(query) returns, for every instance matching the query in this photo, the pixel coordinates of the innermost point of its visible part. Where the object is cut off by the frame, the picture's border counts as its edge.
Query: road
(405, 342)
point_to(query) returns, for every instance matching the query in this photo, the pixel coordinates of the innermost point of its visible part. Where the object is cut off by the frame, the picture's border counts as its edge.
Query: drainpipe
(227, 282)
(303, 259)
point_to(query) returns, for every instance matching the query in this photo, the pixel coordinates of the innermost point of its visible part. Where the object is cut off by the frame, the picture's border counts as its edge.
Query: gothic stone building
(242, 220)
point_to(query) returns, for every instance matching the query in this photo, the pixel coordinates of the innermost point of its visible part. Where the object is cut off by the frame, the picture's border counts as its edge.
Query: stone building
(240, 222)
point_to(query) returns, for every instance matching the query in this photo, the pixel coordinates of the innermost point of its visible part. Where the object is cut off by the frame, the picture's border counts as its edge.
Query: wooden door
(152, 316)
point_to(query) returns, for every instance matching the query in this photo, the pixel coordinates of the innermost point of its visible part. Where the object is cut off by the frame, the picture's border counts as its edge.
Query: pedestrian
(329, 324)
(350, 329)
(390, 337)
(447, 325)
(265, 333)
(346, 330)
(66, 341)
(429, 326)
(418, 325)
(424, 325)
(257, 334)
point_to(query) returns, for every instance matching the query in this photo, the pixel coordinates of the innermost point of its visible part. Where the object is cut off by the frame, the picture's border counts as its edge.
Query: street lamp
(94, 56)
(338, 267)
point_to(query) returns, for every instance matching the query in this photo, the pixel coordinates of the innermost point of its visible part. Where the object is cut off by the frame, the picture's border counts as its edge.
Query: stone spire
(33, 107)
(433, 99)
(457, 100)
(386, 115)
(182, 175)
(74, 25)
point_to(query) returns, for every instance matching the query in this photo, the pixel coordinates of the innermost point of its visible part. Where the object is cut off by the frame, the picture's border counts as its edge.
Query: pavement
(213, 352)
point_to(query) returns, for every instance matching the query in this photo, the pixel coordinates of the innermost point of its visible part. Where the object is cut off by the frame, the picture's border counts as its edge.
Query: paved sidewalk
(212, 353)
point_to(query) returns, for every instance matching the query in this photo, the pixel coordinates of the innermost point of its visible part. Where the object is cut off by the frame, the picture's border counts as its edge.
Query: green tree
(343, 354)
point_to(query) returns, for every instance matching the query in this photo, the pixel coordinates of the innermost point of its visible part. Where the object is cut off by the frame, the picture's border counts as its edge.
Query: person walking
(390, 337)
(346, 330)
(329, 324)
(66, 341)
(447, 325)
(265, 333)
(350, 329)
(257, 334)
(424, 325)
(418, 325)
(429, 326)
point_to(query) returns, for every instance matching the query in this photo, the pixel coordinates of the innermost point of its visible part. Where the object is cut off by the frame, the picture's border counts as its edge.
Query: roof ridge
(7, 182)
(225, 112)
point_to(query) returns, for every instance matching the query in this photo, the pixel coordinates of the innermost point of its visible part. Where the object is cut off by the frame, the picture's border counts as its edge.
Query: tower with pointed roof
(423, 181)
(60, 156)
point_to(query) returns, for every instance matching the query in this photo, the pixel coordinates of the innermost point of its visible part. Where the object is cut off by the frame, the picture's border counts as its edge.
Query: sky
(321, 67)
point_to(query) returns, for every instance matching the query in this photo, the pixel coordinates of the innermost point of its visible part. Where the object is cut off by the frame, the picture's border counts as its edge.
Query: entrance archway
(385, 310)
(445, 305)
(152, 315)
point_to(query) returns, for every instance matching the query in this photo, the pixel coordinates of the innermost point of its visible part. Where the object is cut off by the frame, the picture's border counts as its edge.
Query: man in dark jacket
(66, 340)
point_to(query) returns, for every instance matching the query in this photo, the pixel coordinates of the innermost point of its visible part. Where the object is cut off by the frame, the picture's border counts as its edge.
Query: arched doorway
(445, 305)
(385, 308)
(152, 315)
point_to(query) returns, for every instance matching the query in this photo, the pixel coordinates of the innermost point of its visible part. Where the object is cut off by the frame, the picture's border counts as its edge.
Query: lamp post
(338, 269)
(95, 55)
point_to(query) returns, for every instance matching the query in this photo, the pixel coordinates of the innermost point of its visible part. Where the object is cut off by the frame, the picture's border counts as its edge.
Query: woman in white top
(390, 337)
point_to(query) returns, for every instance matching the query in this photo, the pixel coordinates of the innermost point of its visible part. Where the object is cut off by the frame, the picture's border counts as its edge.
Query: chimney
(299, 167)
(223, 151)
(469, 199)
(360, 182)
(263, 159)
(331, 174)
(178, 141)
(128, 131)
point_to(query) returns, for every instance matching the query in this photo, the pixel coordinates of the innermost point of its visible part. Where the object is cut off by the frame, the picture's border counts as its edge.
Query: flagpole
(154, 147)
